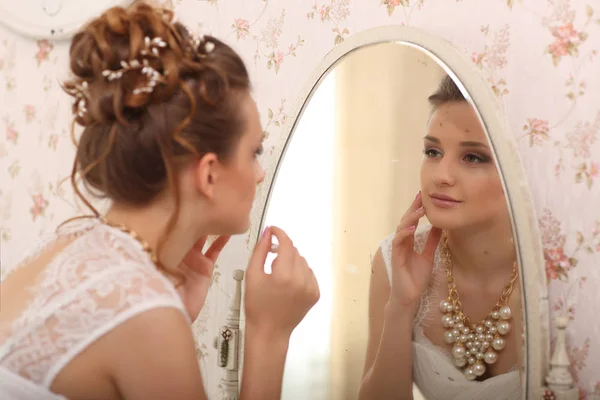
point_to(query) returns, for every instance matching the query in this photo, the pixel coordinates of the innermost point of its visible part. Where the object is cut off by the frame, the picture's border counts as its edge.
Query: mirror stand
(227, 343)
(559, 381)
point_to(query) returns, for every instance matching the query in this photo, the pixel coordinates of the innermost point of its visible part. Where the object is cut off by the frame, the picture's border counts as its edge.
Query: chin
(239, 228)
(243, 228)
(445, 220)
(230, 228)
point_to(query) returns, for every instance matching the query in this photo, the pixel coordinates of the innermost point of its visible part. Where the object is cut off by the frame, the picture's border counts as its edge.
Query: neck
(483, 252)
(150, 223)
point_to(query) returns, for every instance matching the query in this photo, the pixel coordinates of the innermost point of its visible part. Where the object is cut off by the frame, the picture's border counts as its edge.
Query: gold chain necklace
(474, 345)
(134, 235)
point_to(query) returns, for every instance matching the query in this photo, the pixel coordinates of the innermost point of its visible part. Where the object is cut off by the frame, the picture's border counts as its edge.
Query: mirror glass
(386, 132)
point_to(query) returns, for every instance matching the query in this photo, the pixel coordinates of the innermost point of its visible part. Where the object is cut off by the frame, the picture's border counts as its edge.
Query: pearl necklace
(474, 345)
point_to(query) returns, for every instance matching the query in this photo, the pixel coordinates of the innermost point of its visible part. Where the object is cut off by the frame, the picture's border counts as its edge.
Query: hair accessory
(151, 73)
(79, 93)
(152, 47)
(201, 40)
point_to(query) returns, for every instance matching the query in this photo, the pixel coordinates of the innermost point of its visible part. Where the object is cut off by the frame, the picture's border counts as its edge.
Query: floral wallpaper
(539, 56)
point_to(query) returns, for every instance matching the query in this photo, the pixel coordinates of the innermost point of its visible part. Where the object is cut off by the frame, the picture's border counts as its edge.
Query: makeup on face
(475, 152)
(443, 201)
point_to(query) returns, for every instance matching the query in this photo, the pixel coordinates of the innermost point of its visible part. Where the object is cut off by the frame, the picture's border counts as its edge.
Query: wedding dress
(76, 286)
(434, 372)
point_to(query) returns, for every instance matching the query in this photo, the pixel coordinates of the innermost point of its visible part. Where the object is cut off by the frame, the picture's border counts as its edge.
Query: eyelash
(430, 152)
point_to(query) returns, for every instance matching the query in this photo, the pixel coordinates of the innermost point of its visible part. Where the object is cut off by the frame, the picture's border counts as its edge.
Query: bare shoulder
(154, 356)
(379, 288)
(139, 343)
(149, 356)
(378, 262)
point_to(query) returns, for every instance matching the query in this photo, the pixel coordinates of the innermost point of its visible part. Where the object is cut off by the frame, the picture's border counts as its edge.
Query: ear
(206, 174)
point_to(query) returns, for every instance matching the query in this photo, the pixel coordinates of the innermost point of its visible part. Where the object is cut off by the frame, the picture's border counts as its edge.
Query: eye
(259, 151)
(475, 159)
(431, 153)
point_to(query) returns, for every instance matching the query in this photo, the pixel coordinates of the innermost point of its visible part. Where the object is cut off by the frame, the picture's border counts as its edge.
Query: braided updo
(150, 97)
(149, 94)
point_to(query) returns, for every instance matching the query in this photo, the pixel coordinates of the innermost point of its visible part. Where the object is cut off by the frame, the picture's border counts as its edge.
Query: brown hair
(133, 142)
(446, 92)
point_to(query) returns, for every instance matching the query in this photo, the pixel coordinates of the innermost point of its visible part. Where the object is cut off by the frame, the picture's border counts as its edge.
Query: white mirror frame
(525, 224)
(52, 19)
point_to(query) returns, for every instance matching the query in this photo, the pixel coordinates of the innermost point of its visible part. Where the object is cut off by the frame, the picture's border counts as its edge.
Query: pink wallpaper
(539, 56)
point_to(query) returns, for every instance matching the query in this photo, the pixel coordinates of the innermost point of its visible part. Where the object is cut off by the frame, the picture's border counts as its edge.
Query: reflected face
(241, 174)
(460, 184)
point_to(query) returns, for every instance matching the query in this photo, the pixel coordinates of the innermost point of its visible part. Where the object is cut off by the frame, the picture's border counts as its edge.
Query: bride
(102, 309)
(444, 305)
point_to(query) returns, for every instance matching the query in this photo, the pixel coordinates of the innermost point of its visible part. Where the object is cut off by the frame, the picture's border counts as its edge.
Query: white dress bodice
(97, 277)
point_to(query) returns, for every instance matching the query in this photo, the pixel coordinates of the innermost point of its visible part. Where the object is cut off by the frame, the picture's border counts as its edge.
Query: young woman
(444, 302)
(102, 309)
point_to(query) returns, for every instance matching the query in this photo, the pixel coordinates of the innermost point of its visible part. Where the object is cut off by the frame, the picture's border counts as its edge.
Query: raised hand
(277, 302)
(197, 267)
(411, 271)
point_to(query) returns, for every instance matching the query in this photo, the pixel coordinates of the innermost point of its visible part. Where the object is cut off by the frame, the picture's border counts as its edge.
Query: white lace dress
(98, 277)
(434, 372)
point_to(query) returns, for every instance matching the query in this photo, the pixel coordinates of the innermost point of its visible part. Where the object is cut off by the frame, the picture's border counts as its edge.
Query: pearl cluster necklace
(474, 345)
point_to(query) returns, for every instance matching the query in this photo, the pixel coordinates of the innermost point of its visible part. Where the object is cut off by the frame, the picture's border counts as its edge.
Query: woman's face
(226, 188)
(460, 185)
(242, 173)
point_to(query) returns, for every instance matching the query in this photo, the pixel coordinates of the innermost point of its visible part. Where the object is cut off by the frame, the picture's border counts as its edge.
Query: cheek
(241, 185)
(487, 191)
(259, 173)
(425, 175)
(250, 174)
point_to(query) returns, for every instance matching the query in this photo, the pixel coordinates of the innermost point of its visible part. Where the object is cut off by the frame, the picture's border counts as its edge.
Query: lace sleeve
(74, 309)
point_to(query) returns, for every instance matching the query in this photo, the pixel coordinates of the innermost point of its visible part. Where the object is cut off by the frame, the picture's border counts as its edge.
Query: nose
(444, 174)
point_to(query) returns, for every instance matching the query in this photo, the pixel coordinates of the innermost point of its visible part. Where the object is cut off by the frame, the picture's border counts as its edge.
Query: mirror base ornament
(559, 381)
(227, 343)
(229, 390)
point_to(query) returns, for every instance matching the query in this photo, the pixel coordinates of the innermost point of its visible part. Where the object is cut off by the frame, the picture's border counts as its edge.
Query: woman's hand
(198, 270)
(277, 302)
(411, 271)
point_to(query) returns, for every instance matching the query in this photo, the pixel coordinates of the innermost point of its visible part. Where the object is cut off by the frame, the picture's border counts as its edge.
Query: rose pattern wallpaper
(540, 57)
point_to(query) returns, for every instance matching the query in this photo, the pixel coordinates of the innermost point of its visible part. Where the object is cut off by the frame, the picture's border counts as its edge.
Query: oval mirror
(397, 140)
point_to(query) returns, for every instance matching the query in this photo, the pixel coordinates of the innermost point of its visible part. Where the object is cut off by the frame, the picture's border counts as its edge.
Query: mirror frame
(525, 226)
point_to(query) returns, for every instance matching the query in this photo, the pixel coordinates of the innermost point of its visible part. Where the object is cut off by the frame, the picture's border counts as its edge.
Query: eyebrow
(463, 144)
